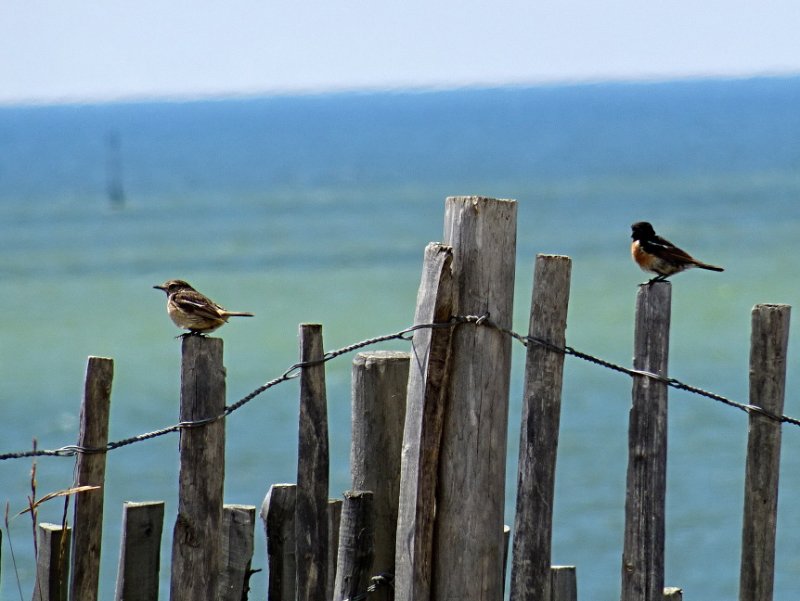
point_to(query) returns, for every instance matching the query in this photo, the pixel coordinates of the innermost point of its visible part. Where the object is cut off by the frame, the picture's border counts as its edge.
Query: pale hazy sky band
(53, 50)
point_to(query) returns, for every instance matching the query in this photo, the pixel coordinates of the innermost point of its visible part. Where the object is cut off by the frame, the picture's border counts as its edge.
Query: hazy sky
(62, 49)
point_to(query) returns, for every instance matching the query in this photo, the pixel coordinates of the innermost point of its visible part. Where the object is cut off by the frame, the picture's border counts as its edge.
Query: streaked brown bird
(193, 311)
(655, 254)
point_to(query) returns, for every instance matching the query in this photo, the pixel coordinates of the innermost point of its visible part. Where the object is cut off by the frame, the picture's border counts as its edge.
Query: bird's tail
(238, 314)
(702, 265)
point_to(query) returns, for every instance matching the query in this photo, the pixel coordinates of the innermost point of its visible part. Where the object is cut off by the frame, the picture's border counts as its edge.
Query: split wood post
(356, 545)
(311, 506)
(472, 465)
(425, 405)
(238, 524)
(768, 348)
(643, 551)
(379, 381)
(563, 584)
(277, 512)
(672, 593)
(52, 563)
(196, 556)
(334, 521)
(140, 551)
(541, 416)
(91, 471)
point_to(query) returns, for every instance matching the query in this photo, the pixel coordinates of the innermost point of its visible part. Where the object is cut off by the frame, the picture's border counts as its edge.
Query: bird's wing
(192, 302)
(667, 250)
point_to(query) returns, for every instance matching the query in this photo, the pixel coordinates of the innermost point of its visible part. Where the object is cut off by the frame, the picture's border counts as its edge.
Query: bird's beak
(160, 287)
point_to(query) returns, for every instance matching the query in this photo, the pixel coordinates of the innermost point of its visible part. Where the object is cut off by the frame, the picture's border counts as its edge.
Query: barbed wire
(405, 334)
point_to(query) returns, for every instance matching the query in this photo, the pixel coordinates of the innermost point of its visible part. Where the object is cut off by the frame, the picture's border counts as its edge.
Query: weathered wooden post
(768, 349)
(356, 545)
(277, 512)
(91, 471)
(52, 563)
(425, 405)
(643, 552)
(334, 521)
(196, 557)
(472, 464)
(563, 584)
(541, 415)
(140, 552)
(238, 523)
(311, 507)
(379, 383)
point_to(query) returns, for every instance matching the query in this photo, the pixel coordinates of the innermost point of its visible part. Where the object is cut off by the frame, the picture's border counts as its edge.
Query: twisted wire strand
(404, 334)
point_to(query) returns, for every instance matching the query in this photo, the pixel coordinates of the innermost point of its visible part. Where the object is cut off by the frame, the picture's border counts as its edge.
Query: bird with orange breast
(657, 255)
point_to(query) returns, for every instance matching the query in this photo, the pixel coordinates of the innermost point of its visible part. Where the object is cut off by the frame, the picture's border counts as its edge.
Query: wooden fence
(424, 518)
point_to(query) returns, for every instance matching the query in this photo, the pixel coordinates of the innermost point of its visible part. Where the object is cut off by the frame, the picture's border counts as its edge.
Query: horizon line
(312, 91)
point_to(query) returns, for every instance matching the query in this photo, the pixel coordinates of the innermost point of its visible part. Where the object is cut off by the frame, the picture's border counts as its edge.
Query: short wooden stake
(541, 416)
(238, 523)
(52, 564)
(425, 405)
(334, 521)
(311, 508)
(277, 512)
(90, 471)
(380, 379)
(563, 583)
(196, 556)
(140, 552)
(768, 350)
(472, 465)
(643, 552)
(356, 546)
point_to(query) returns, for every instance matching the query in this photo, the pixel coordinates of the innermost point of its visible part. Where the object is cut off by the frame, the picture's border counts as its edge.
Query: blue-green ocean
(317, 209)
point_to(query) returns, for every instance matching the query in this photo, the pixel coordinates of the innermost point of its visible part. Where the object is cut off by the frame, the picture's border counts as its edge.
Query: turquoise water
(317, 209)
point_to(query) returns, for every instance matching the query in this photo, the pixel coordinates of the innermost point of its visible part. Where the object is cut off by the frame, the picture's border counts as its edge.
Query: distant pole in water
(114, 189)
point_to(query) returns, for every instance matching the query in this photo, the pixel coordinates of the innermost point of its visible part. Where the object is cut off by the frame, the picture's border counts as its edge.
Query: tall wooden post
(380, 379)
(425, 406)
(643, 552)
(311, 509)
(91, 471)
(768, 349)
(468, 545)
(541, 415)
(196, 558)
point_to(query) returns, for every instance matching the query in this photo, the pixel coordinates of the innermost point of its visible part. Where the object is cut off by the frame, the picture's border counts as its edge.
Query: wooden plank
(311, 508)
(379, 382)
(277, 512)
(425, 405)
(563, 584)
(238, 525)
(196, 557)
(52, 563)
(356, 546)
(472, 465)
(334, 521)
(140, 551)
(90, 470)
(541, 416)
(768, 351)
(643, 552)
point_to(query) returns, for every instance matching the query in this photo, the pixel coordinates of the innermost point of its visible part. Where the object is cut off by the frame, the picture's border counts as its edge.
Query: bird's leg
(651, 281)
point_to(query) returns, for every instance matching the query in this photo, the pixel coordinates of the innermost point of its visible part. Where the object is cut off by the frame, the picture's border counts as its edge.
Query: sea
(316, 208)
